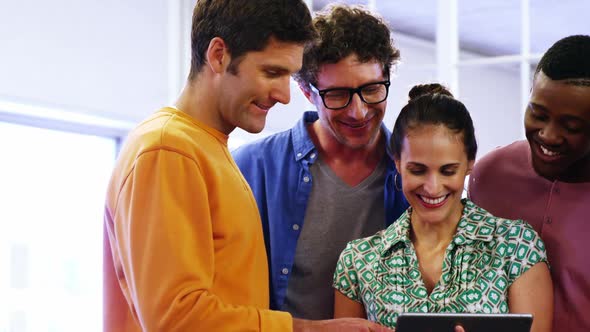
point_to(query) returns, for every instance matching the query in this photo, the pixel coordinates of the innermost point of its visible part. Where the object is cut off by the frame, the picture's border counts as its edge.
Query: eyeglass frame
(351, 93)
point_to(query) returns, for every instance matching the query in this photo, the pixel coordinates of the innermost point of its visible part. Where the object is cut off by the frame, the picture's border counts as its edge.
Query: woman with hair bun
(444, 254)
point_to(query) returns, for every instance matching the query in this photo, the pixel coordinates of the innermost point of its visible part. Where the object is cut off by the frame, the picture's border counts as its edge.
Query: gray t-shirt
(336, 213)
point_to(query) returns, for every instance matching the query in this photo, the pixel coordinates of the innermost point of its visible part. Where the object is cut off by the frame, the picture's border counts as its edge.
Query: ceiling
(486, 27)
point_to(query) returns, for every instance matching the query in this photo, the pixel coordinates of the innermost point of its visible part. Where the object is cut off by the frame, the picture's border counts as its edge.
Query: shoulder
(515, 233)
(365, 249)
(504, 226)
(496, 171)
(272, 144)
(515, 245)
(171, 131)
(509, 154)
(497, 227)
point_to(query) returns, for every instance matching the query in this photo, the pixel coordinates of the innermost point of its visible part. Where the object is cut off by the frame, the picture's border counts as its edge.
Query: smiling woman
(444, 254)
(51, 193)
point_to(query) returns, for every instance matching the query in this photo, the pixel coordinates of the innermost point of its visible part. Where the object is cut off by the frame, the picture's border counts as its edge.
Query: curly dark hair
(434, 104)
(247, 26)
(345, 30)
(568, 59)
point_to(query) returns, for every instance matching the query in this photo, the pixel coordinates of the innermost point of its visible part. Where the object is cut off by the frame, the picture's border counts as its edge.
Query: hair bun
(428, 89)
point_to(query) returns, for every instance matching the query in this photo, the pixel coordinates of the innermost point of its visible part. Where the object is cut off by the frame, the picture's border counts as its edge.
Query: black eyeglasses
(339, 98)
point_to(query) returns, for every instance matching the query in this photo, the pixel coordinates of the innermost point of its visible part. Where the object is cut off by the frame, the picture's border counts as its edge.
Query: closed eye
(271, 73)
(416, 168)
(538, 112)
(573, 128)
(274, 71)
(449, 170)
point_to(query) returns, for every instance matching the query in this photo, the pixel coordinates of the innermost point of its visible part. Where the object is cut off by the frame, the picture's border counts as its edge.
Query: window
(52, 188)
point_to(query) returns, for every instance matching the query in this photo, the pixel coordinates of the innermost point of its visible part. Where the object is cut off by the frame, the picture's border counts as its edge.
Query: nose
(357, 108)
(432, 185)
(551, 134)
(281, 92)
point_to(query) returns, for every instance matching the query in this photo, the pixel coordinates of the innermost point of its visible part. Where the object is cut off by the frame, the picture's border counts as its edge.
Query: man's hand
(338, 325)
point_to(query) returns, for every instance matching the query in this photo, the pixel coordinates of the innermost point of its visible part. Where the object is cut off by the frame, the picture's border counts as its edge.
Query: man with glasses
(330, 178)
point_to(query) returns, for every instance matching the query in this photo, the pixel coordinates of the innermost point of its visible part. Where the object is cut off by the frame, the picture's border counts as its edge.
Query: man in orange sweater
(184, 249)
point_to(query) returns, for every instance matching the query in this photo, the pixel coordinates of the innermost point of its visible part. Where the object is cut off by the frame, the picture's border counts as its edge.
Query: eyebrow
(414, 163)
(358, 86)
(277, 68)
(535, 105)
(452, 165)
(566, 116)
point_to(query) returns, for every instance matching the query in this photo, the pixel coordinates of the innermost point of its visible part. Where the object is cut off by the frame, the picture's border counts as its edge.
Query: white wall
(491, 94)
(105, 57)
(110, 58)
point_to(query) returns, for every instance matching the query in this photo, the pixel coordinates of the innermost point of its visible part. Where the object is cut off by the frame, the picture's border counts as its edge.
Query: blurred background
(76, 76)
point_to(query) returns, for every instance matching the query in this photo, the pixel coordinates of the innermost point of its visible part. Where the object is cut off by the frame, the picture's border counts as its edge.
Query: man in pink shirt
(547, 180)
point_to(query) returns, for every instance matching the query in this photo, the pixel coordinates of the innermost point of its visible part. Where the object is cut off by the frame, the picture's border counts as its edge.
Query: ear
(306, 92)
(470, 166)
(397, 165)
(218, 57)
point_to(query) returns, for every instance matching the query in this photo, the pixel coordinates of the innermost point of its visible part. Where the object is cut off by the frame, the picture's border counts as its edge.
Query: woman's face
(433, 165)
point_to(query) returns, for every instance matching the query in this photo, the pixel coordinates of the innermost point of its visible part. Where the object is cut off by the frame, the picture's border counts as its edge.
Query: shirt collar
(397, 233)
(303, 145)
(476, 224)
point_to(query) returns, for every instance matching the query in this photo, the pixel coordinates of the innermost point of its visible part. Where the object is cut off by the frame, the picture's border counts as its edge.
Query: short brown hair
(247, 26)
(345, 30)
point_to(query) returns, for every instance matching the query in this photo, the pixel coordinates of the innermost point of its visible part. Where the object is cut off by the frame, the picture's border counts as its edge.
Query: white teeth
(548, 152)
(433, 201)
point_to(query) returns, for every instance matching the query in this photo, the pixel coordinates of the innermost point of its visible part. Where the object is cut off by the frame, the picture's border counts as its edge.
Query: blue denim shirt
(277, 169)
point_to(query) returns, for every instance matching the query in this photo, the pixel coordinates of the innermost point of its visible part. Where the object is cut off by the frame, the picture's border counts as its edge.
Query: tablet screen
(431, 322)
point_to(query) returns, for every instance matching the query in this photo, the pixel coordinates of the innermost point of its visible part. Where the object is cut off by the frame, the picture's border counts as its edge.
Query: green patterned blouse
(486, 255)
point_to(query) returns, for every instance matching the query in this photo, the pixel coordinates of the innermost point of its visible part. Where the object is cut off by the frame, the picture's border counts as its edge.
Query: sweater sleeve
(165, 244)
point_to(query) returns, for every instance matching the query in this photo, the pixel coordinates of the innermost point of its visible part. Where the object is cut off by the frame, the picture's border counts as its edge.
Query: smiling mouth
(547, 152)
(437, 201)
(356, 125)
(264, 107)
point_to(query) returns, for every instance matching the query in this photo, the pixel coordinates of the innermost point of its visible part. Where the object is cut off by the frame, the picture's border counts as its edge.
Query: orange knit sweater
(184, 249)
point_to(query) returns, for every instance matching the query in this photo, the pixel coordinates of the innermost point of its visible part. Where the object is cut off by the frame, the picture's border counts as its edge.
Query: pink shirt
(505, 183)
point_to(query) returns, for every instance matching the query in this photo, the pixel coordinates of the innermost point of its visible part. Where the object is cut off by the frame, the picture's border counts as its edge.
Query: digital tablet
(431, 322)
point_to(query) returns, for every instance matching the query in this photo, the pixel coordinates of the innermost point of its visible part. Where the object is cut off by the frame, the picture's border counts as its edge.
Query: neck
(577, 173)
(199, 99)
(433, 236)
(332, 149)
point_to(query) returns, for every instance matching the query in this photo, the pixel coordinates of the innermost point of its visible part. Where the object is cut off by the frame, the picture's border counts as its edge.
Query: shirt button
(312, 155)
(306, 179)
(548, 220)
(299, 155)
(285, 271)
(556, 190)
(295, 227)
